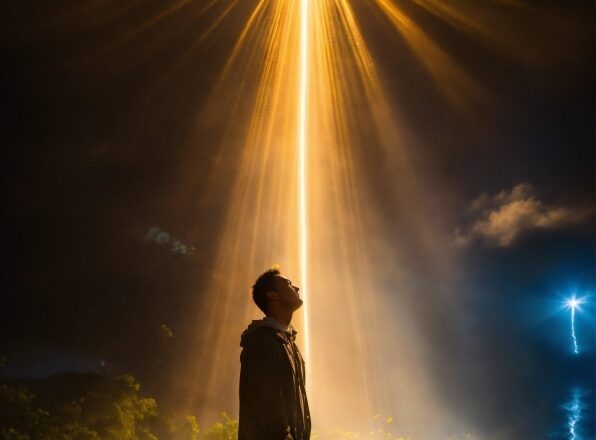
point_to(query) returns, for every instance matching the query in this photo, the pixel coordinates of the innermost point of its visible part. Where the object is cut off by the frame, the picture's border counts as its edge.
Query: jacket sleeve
(262, 407)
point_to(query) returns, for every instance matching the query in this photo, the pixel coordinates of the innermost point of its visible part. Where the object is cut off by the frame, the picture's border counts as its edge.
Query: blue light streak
(572, 304)
(575, 347)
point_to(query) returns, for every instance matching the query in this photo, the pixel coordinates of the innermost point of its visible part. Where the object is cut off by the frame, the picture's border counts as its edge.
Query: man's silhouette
(273, 404)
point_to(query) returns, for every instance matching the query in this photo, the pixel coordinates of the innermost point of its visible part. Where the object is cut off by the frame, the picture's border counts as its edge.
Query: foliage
(19, 419)
(79, 406)
(111, 409)
(228, 430)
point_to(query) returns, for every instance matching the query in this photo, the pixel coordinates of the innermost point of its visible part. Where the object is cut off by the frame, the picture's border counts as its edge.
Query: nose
(297, 288)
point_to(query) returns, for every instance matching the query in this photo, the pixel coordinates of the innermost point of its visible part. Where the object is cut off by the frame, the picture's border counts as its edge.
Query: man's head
(273, 290)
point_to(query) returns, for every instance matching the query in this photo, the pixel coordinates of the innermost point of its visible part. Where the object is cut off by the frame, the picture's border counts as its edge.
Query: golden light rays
(254, 19)
(459, 86)
(342, 73)
(263, 90)
(302, 168)
(485, 22)
(313, 168)
(308, 122)
(306, 107)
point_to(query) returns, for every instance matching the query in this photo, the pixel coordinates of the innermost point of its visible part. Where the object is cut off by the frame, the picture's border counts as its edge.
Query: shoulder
(262, 336)
(265, 342)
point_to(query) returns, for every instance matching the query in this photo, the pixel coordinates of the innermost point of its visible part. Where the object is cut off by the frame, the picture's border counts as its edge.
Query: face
(287, 293)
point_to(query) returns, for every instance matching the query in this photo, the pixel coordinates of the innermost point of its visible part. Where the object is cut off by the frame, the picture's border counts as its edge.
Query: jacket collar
(289, 332)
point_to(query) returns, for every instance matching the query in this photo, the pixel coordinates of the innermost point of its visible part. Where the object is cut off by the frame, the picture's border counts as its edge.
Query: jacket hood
(267, 325)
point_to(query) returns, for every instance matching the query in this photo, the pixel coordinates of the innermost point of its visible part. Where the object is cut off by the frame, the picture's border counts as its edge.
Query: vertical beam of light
(259, 91)
(303, 90)
(300, 75)
(572, 304)
(575, 347)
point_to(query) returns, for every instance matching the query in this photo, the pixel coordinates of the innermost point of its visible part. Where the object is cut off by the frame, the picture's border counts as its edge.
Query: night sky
(107, 145)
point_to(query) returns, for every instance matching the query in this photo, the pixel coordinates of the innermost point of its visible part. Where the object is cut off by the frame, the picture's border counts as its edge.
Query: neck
(282, 316)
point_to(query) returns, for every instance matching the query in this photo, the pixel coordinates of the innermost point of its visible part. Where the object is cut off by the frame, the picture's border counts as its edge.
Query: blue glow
(572, 304)
(574, 412)
(575, 347)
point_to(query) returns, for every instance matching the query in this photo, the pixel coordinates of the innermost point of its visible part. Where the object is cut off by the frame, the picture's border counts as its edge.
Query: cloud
(502, 219)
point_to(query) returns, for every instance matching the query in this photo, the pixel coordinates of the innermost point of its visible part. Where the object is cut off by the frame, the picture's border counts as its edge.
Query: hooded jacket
(273, 404)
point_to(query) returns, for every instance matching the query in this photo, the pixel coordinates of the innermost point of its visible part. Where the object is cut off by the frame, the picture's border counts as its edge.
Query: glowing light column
(572, 304)
(302, 171)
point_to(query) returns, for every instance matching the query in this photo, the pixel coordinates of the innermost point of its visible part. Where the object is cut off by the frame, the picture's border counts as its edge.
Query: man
(273, 404)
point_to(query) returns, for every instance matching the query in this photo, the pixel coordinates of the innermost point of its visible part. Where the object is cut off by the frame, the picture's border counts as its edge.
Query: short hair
(265, 283)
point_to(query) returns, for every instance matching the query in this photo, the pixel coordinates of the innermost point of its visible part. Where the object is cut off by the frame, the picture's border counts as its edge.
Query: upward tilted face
(287, 293)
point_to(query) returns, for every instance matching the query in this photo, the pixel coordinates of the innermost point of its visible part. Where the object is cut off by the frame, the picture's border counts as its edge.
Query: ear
(271, 295)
